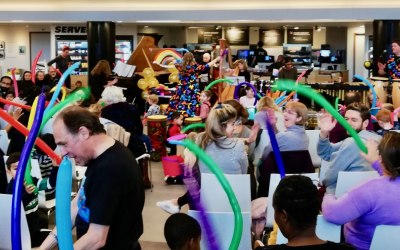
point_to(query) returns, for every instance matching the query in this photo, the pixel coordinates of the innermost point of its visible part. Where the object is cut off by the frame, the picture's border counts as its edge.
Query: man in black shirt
(63, 61)
(259, 54)
(107, 212)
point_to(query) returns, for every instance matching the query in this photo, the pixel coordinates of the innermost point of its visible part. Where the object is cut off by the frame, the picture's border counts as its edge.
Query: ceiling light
(296, 28)
(119, 21)
(146, 26)
(17, 21)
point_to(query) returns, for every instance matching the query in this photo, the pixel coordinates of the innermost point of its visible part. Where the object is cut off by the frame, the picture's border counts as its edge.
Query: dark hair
(298, 196)
(65, 48)
(49, 140)
(390, 152)
(179, 229)
(75, 117)
(175, 115)
(260, 44)
(5, 77)
(361, 108)
(240, 110)
(12, 158)
(351, 97)
(396, 41)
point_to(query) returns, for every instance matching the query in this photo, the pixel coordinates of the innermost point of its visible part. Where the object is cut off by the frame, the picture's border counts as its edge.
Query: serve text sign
(70, 29)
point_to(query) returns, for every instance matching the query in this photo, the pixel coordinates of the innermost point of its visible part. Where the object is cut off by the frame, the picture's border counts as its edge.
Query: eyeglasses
(290, 112)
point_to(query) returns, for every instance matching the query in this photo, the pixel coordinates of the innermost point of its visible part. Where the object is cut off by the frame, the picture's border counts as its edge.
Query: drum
(157, 131)
(193, 120)
(396, 93)
(380, 86)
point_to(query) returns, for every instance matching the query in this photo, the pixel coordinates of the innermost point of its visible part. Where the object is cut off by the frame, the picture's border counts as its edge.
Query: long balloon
(63, 208)
(60, 83)
(193, 126)
(19, 177)
(286, 99)
(28, 177)
(337, 103)
(297, 81)
(14, 82)
(34, 63)
(20, 105)
(209, 86)
(80, 94)
(63, 90)
(371, 87)
(317, 97)
(275, 148)
(213, 167)
(237, 88)
(23, 130)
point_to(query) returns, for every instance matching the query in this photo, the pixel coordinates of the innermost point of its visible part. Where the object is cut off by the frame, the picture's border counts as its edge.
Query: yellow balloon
(32, 114)
(173, 77)
(172, 70)
(148, 73)
(153, 83)
(142, 84)
(145, 95)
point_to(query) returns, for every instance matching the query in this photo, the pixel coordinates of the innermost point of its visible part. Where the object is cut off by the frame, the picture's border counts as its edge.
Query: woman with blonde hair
(99, 78)
(187, 96)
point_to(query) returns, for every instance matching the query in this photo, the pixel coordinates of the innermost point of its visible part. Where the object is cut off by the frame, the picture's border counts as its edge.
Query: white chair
(5, 157)
(4, 141)
(386, 237)
(5, 228)
(324, 230)
(349, 180)
(275, 179)
(322, 170)
(313, 137)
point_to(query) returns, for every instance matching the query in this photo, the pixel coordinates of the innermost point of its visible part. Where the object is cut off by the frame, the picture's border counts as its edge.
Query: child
(154, 109)
(30, 198)
(174, 129)
(384, 121)
(205, 104)
(9, 97)
(78, 84)
(182, 232)
(249, 99)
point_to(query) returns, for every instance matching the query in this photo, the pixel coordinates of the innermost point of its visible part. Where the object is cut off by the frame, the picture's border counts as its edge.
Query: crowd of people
(107, 211)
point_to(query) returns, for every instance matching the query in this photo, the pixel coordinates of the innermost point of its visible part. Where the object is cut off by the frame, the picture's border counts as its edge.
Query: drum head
(379, 78)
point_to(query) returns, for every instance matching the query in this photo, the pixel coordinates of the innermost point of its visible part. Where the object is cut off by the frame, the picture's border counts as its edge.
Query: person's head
(6, 82)
(296, 205)
(206, 57)
(357, 115)
(388, 106)
(12, 164)
(112, 94)
(295, 113)
(249, 92)
(383, 117)
(241, 113)
(52, 72)
(65, 51)
(280, 58)
(152, 99)
(40, 75)
(220, 122)
(206, 96)
(73, 129)
(288, 63)
(260, 44)
(177, 118)
(241, 64)
(389, 152)
(10, 95)
(102, 68)
(78, 84)
(27, 76)
(266, 102)
(49, 140)
(187, 59)
(352, 97)
(182, 232)
(396, 46)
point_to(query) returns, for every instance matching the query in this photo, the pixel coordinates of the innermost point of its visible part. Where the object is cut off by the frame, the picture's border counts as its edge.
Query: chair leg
(144, 166)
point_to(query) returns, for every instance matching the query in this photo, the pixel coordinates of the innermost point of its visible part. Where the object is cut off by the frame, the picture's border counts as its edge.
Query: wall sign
(70, 29)
(208, 35)
(272, 37)
(300, 36)
(237, 36)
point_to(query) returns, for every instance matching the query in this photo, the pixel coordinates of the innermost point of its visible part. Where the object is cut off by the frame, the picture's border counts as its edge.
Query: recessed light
(120, 21)
(296, 28)
(145, 26)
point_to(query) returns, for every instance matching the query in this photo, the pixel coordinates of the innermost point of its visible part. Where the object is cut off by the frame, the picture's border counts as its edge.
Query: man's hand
(326, 123)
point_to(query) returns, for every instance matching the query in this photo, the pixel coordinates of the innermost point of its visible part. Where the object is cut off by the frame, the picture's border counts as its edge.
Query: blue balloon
(371, 87)
(63, 208)
(19, 176)
(275, 148)
(60, 84)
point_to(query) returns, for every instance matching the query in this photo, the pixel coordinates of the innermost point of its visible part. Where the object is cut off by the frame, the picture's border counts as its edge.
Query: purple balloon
(236, 94)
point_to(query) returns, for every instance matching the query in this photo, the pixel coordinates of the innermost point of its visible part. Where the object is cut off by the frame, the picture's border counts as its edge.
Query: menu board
(237, 36)
(272, 37)
(209, 35)
(300, 36)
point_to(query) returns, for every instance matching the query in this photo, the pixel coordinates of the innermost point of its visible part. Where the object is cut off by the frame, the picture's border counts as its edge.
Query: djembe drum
(380, 86)
(157, 131)
(193, 120)
(396, 93)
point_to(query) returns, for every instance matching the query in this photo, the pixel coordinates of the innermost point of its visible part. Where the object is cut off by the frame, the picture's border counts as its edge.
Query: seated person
(384, 121)
(182, 232)
(372, 203)
(296, 207)
(288, 71)
(30, 198)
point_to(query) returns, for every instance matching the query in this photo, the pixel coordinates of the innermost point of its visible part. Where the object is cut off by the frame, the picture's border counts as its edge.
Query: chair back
(4, 141)
(5, 228)
(349, 180)
(313, 137)
(386, 237)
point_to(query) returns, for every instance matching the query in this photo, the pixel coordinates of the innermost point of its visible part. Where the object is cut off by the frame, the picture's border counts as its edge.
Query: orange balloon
(142, 84)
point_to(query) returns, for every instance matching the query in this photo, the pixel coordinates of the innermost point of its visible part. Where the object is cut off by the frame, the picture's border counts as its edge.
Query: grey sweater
(343, 156)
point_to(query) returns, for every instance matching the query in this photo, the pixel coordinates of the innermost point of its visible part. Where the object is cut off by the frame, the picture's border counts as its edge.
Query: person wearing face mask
(344, 155)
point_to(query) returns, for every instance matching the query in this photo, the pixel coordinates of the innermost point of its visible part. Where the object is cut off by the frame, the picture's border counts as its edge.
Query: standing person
(344, 155)
(391, 67)
(241, 69)
(63, 61)
(154, 109)
(259, 54)
(186, 99)
(288, 71)
(107, 211)
(100, 78)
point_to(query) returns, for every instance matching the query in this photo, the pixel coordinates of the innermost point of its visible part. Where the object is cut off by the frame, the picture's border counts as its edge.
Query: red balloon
(20, 105)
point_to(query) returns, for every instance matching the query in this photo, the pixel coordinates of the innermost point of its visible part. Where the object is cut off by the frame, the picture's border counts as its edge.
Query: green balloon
(217, 81)
(192, 126)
